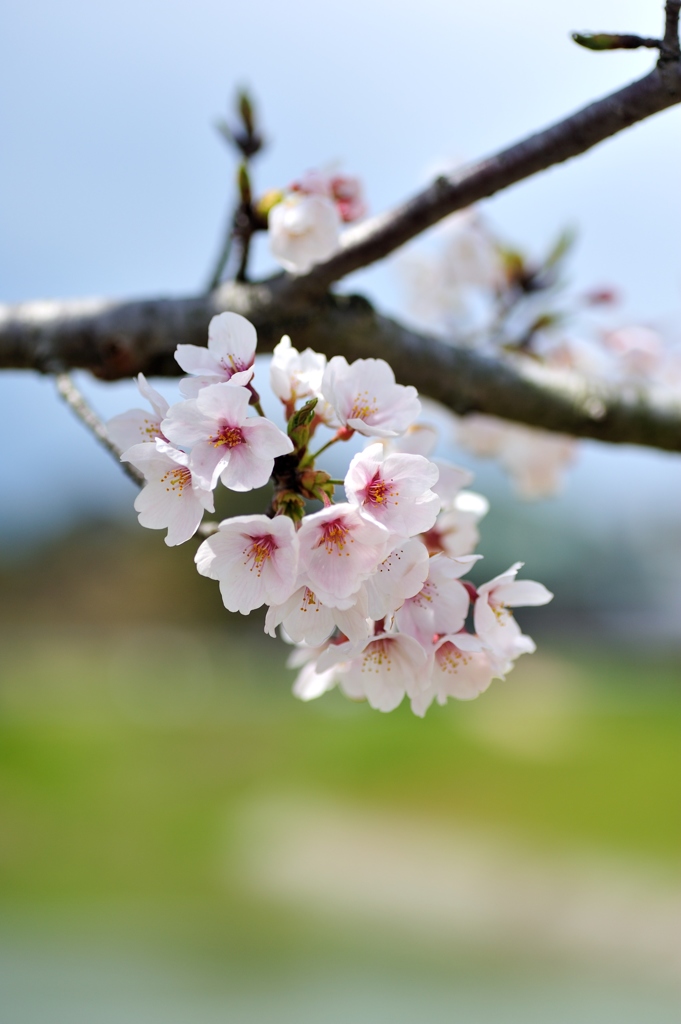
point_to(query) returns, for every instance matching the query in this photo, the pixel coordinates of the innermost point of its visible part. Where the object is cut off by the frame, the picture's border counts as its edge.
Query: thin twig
(89, 418)
(223, 257)
(671, 29)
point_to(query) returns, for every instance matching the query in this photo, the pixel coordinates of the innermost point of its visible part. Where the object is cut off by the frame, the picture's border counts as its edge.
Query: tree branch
(378, 237)
(115, 340)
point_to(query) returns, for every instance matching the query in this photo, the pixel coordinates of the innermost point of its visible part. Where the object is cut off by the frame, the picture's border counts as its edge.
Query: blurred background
(179, 838)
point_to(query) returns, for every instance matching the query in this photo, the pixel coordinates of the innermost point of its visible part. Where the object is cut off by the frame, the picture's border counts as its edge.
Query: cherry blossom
(255, 560)
(230, 355)
(307, 619)
(172, 497)
(441, 606)
(303, 229)
(344, 191)
(138, 425)
(225, 442)
(339, 550)
(382, 670)
(399, 576)
(494, 623)
(295, 375)
(393, 490)
(460, 668)
(456, 530)
(366, 398)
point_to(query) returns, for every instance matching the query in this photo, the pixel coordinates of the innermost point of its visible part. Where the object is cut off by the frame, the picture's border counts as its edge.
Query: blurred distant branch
(115, 340)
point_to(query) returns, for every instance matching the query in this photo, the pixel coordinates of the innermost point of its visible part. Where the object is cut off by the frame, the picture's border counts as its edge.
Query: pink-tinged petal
(156, 400)
(224, 401)
(133, 427)
(451, 481)
(459, 672)
(400, 576)
(190, 386)
(186, 424)
(522, 592)
(311, 684)
(233, 339)
(303, 616)
(266, 438)
(196, 359)
(207, 462)
(244, 470)
(419, 439)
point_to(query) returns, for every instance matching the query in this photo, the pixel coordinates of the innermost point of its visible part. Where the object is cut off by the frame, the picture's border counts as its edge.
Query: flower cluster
(305, 225)
(495, 299)
(369, 589)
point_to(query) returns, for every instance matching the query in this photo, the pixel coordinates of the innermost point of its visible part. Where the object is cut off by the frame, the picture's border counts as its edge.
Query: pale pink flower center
(363, 406)
(308, 600)
(152, 428)
(376, 657)
(424, 596)
(335, 538)
(259, 553)
(228, 436)
(381, 492)
(233, 365)
(450, 658)
(177, 479)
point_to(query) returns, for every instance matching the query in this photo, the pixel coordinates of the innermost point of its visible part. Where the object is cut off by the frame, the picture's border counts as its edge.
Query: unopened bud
(246, 112)
(267, 201)
(288, 503)
(610, 41)
(314, 483)
(299, 425)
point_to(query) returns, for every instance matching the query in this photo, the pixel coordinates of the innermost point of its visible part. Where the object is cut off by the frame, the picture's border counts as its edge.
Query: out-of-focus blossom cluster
(305, 225)
(370, 589)
(489, 296)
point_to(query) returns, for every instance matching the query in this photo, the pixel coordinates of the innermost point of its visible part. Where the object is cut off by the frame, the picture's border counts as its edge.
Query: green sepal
(299, 425)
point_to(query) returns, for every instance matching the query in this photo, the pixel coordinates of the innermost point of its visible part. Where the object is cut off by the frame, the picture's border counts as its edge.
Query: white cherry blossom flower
(255, 560)
(230, 355)
(338, 551)
(385, 668)
(393, 490)
(441, 606)
(172, 498)
(456, 530)
(225, 442)
(308, 620)
(460, 668)
(451, 480)
(494, 623)
(366, 398)
(536, 460)
(137, 425)
(310, 684)
(295, 375)
(399, 576)
(303, 229)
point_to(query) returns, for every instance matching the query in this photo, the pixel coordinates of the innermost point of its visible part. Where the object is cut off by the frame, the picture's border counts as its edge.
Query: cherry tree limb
(119, 339)
(115, 340)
